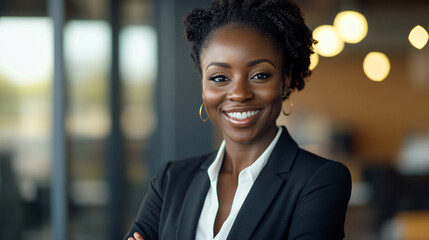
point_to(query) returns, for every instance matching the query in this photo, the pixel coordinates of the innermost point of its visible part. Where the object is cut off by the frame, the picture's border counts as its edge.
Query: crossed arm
(136, 236)
(318, 214)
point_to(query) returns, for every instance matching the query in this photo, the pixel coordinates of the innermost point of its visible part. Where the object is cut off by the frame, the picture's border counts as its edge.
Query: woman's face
(242, 83)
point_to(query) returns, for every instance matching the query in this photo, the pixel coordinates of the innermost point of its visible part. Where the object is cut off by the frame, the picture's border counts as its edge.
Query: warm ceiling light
(351, 26)
(418, 37)
(376, 66)
(329, 42)
(314, 60)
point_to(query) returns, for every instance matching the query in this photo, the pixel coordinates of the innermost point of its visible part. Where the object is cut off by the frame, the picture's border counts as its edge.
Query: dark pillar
(180, 133)
(59, 201)
(115, 150)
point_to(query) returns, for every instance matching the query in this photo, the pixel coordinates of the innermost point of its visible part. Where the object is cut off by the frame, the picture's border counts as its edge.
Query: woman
(259, 185)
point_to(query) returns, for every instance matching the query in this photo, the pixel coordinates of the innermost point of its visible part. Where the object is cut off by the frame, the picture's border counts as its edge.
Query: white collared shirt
(246, 179)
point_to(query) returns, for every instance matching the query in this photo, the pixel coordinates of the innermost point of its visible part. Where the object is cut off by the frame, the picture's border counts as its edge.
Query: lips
(242, 118)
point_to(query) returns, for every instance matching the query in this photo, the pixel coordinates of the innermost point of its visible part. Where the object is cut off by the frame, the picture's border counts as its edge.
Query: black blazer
(297, 195)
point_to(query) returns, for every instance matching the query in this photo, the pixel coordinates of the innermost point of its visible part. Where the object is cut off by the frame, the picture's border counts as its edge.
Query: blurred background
(96, 95)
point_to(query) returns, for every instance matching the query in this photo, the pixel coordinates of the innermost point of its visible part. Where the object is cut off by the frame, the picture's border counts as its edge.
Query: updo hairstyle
(279, 20)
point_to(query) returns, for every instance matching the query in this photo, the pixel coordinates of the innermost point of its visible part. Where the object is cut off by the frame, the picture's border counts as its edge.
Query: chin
(242, 135)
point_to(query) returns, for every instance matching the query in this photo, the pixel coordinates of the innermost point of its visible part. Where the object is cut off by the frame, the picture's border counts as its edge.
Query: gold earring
(291, 108)
(201, 110)
(284, 95)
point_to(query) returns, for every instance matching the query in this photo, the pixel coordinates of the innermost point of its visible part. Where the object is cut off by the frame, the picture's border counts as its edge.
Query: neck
(238, 156)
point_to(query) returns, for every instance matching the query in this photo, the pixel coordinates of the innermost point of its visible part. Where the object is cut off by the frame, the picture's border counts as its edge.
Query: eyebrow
(257, 61)
(249, 64)
(220, 64)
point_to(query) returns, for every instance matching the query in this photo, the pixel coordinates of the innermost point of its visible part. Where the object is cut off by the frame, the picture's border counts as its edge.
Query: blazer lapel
(257, 202)
(193, 202)
(265, 188)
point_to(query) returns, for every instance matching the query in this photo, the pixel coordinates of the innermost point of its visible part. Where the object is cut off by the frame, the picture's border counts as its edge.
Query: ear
(287, 78)
(202, 91)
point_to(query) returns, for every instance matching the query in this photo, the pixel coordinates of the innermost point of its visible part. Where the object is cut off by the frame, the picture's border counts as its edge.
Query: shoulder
(310, 166)
(184, 169)
(190, 164)
(307, 161)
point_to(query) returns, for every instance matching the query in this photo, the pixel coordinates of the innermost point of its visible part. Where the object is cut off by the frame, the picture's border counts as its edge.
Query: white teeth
(242, 115)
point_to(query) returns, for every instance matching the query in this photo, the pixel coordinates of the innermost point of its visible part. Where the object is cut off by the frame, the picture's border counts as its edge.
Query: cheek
(272, 95)
(276, 105)
(211, 98)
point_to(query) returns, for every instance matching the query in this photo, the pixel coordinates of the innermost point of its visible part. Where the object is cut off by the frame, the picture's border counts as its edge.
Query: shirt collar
(253, 170)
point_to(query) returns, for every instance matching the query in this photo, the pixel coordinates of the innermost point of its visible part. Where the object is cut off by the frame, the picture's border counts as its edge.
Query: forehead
(235, 42)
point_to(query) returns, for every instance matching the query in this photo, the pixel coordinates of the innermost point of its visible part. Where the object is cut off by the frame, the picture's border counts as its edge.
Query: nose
(240, 91)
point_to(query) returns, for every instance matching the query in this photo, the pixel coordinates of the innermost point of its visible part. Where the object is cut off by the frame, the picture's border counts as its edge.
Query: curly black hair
(281, 20)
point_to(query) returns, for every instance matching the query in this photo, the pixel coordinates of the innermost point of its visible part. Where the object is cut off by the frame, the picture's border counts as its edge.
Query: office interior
(95, 96)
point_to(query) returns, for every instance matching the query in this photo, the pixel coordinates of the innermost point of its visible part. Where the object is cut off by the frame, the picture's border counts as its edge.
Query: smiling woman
(259, 185)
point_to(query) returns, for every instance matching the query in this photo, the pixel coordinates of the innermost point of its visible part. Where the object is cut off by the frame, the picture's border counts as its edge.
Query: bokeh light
(376, 66)
(418, 37)
(330, 43)
(351, 26)
(314, 60)
(26, 52)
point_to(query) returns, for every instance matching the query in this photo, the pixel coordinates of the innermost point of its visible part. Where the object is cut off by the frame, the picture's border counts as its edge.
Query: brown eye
(218, 78)
(261, 76)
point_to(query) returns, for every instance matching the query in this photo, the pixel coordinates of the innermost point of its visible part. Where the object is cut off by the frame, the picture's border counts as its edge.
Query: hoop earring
(201, 110)
(291, 108)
